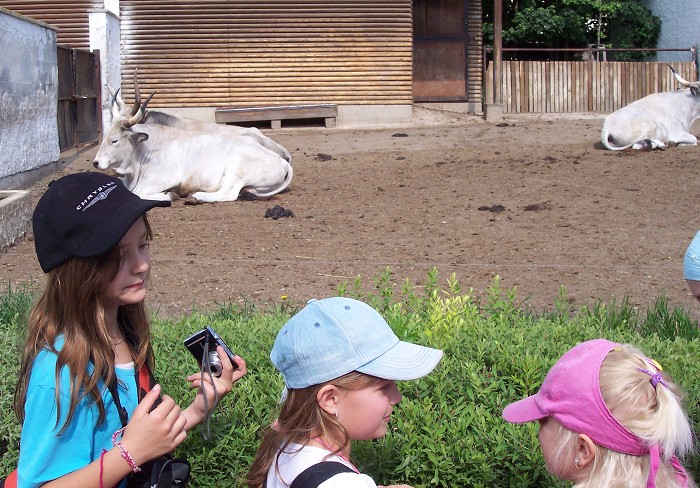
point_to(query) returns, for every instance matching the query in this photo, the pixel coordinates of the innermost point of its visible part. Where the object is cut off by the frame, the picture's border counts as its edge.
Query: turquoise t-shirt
(44, 454)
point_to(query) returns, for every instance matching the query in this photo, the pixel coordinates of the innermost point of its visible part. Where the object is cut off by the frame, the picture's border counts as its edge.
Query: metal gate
(79, 99)
(447, 47)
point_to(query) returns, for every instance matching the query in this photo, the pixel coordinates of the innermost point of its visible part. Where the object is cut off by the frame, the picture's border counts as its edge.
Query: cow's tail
(285, 183)
(608, 141)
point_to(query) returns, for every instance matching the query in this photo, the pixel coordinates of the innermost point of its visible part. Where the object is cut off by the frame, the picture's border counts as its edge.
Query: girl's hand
(150, 434)
(222, 385)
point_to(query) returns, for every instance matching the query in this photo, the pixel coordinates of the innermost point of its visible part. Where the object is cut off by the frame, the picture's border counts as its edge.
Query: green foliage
(543, 27)
(448, 429)
(576, 24)
(14, 309)
(634, 27)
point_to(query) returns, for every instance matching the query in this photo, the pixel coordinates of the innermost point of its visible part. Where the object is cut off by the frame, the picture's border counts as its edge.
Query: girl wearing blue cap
(88, 343)
(691, 266)
(340, 361)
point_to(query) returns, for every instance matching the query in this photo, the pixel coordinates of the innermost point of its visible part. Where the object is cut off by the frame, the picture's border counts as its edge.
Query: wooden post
(497, 50)
(494, 111)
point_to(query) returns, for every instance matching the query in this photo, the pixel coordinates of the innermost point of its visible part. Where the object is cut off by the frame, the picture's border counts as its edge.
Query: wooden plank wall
(581, 86)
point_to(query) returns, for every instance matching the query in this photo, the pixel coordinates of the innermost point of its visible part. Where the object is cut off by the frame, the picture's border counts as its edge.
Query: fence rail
(581, 86)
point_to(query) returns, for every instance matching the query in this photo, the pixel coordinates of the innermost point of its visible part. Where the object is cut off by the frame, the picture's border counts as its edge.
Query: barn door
(439, 50)
(79, 98)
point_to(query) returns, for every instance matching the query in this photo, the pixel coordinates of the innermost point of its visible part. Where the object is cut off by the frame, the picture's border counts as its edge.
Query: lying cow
(120, 109)
(155, 160)
(655, 120)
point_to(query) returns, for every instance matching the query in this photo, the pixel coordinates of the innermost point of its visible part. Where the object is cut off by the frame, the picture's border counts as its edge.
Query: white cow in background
(655, 120)
(119, 108)
(208, 166)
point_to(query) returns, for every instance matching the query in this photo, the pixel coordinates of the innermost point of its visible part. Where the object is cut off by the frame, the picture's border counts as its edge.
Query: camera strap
(145, 381)
(206, 367)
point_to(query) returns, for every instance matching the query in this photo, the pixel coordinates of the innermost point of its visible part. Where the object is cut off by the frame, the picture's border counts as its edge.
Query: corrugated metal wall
(70, 16)
(475, 61)
(252, 53)
(225, 53)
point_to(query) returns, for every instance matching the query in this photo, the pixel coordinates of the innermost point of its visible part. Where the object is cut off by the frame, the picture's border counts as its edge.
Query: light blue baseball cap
(691, 262)
(335, 336)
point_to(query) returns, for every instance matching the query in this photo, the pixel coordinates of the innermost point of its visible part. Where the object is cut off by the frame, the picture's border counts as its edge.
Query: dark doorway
(439, 50)
(79, 101)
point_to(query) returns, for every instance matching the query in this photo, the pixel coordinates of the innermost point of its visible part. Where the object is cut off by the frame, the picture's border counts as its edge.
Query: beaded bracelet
(125, 453)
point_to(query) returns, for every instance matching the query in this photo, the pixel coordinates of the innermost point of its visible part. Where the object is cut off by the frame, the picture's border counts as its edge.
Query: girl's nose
(394, 394)
(141, 264)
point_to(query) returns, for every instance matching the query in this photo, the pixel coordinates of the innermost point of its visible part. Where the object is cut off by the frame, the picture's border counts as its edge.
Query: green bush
(448, 430)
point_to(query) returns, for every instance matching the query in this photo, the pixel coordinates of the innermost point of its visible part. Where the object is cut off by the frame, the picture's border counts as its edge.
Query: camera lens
(215, 364)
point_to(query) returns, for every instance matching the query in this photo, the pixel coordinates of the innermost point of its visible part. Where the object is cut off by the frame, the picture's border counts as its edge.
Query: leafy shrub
(448, 429)
(14, 307)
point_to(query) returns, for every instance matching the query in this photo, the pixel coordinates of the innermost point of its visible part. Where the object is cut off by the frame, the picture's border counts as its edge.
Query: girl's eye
(144, 245)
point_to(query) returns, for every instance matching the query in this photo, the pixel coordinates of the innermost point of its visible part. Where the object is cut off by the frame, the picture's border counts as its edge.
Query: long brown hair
(300, 419)
(73, 305)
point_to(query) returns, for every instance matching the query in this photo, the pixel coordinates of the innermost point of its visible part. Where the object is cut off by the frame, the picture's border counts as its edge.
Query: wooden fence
(581, 86)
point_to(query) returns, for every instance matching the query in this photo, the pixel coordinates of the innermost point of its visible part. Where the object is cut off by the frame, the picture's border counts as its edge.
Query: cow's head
(119, 144)
(694, 86)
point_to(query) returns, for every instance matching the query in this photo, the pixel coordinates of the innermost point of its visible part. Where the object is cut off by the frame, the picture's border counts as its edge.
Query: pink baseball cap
(571, 394)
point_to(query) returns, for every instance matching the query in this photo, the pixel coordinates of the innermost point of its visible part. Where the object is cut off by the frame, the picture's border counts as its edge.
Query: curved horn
(678, 77)
(136, 118)
(116, 99)
(137, 94)
(117, 102)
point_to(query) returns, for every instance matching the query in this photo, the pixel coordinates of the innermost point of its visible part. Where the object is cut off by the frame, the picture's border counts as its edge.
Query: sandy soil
(535, 200)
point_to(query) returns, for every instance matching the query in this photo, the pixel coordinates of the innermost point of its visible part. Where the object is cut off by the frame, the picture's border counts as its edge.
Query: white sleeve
(349, 480)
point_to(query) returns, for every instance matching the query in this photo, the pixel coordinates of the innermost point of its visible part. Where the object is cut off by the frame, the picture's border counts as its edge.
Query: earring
(577, 463)
(335, 412)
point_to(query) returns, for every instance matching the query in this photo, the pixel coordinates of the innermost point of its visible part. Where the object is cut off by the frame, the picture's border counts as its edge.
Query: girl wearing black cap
(89, 330)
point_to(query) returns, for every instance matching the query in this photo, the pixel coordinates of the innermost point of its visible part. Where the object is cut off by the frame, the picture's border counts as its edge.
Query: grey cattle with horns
(158, 154)
(655, 120)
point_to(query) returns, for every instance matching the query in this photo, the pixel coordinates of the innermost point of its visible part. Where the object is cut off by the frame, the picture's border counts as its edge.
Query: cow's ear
(138, 137)
(695, 90)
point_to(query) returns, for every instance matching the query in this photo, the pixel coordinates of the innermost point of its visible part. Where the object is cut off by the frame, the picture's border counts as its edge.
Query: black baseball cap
(84, 215)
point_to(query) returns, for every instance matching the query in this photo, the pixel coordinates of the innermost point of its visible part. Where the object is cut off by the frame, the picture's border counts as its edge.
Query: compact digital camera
(208, 339)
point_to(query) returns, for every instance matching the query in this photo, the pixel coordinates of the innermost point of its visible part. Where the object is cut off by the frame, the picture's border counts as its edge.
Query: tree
(574, 24)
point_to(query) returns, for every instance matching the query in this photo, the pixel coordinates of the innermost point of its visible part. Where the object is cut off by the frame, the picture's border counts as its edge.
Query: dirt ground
(534, 200)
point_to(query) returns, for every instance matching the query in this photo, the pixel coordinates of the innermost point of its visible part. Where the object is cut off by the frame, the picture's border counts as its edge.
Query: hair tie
(656, 378)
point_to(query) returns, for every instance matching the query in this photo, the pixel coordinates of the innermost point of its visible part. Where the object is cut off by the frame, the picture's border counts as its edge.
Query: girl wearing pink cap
(609, 417)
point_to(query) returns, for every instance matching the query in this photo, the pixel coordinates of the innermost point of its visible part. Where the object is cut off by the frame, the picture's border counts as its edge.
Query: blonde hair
(73, 305)
(655, 414)
(300, 419)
